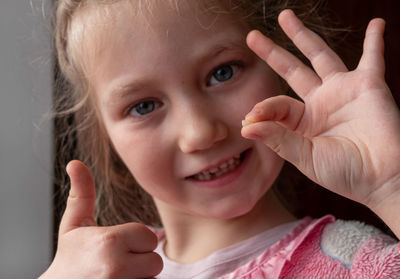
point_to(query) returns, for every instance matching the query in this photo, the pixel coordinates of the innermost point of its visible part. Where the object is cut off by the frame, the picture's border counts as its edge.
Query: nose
(201, 129)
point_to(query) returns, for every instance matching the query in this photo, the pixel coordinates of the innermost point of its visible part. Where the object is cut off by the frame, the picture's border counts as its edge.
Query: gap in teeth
(220, 170)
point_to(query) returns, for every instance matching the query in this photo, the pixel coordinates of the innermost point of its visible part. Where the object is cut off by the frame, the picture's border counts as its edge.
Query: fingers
(81, 200)
(372, 58)
(274, 121)
(300, 77)
(283, 109)
(128, 249)
(146, 265)
(288, 144)
(324, 60)
(135, 237)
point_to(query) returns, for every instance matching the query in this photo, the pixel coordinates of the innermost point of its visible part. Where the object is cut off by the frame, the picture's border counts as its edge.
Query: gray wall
(25, 139)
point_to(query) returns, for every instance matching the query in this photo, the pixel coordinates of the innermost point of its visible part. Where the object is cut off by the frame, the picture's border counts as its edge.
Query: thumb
(79, 211)
(288, 144)
(274, 122)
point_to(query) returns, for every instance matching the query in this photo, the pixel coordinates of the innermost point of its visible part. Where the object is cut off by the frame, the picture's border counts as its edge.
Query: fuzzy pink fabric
(299, 256)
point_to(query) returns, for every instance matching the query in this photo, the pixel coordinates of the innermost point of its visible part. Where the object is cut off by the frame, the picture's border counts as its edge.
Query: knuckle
(370, 82)
(108, 238)
(291, 71)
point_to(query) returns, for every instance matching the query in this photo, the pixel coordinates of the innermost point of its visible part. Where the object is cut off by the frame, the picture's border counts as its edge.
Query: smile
(220, 170)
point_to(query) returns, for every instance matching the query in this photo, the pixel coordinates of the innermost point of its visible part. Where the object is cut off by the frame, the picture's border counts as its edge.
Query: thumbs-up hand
(86, 250)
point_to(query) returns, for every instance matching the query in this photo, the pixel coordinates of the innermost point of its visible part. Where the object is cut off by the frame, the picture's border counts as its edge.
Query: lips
(220, 170)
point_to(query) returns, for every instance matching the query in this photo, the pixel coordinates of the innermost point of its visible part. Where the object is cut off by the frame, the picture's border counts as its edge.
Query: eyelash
(235, 64)
(128, 111)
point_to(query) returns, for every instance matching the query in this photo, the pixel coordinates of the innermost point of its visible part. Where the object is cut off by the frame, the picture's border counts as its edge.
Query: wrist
(386, 204)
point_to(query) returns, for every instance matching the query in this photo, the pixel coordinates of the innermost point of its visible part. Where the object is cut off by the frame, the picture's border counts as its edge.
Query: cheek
(262, 84)
(141, 153)
(267, 83)
(271, 162)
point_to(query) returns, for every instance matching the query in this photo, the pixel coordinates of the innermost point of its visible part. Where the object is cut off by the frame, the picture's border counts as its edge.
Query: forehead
(117, 21)
(144, 34)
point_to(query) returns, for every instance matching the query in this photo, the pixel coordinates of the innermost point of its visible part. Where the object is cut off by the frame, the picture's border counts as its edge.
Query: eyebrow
(230, 46)
(121, 91)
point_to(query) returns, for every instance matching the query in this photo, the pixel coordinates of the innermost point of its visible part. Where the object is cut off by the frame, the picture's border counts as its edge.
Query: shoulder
(341, 239)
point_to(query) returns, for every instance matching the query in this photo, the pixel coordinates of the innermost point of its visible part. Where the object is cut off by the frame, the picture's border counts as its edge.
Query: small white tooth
(213, 170)
(231, 161)
(200, 176)
(207, 176)
(224, 165)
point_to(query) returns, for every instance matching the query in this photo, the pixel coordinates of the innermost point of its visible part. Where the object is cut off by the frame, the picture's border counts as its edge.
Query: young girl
(159, 89)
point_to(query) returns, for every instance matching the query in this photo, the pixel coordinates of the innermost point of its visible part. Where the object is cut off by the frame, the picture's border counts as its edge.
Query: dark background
(356, 14)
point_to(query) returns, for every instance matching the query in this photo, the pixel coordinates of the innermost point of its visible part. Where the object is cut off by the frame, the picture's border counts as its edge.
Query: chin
(230, 210)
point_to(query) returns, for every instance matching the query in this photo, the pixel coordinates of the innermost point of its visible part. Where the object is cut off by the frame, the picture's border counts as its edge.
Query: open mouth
(221, 170)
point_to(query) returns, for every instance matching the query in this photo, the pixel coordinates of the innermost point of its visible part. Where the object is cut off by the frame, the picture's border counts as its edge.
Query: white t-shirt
(225, 260)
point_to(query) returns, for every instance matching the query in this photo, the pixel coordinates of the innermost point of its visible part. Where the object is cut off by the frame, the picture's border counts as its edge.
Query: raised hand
(345, 135)
(86, 250)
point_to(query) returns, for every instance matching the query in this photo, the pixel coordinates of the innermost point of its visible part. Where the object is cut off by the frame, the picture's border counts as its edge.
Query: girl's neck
(193, 238)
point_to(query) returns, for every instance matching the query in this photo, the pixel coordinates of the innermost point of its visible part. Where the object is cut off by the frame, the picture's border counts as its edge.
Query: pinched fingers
(288, 144)
(283, 109)
(274, 121)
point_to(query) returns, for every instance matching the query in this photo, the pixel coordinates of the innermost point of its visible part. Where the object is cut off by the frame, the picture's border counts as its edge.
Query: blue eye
(144, 108)
(222, 74)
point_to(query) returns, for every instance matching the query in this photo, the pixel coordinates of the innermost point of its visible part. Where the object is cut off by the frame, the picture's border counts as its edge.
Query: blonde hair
(79, 131)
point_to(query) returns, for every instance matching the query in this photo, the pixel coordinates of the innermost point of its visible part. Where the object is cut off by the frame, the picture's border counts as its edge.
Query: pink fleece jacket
(324, 248)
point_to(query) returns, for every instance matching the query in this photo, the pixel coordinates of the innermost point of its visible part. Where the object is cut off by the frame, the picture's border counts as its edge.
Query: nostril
(201, 135)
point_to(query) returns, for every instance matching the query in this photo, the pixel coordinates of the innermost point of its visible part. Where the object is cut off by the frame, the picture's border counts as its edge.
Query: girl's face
(172, 88)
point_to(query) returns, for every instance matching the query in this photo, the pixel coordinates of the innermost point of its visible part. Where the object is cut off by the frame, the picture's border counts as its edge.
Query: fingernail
(244, 123)
(252, 115)
(253, 136)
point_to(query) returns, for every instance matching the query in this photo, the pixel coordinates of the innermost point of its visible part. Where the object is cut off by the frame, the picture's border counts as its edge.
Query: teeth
(214, 170)
(220, 170)
(223, 166)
